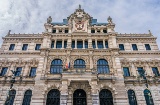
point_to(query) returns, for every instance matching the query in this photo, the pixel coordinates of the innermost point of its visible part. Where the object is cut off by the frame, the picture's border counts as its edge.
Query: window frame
(10, 47)
(37, 48)
(146, 47)
(100, 44)
(79, 44)
(31, 70)
(81, 65)
(25, 48)
(134, 46)
(56, 68)
(103, 68)
(157, 71)
(128, 72)
(59, 44)
(121, 45)
(2, 70)
(17, 71)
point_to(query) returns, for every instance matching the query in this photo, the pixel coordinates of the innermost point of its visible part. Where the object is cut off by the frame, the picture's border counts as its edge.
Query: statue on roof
(109, 20)
(49, 19)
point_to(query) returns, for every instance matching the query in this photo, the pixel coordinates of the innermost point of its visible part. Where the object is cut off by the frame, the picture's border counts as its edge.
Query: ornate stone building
(80, 62)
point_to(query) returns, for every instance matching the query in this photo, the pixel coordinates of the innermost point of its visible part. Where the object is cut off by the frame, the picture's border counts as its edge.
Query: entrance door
(79, 97)
(53, 97)
(105, 97)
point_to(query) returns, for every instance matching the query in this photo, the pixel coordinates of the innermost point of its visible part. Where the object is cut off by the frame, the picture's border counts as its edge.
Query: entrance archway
(53, 97)
(105, 97)
(79, 97)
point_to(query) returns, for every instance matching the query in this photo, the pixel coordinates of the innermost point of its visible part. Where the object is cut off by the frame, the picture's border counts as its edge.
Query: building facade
(80, 62)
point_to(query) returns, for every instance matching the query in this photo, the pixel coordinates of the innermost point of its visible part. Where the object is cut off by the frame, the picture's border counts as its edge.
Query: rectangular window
(73, 44)
(93, 44)
(126, 71)
(147, 47)
(38, 46)
(104, 31)
(106, 44)
(86, 44)
(25, 46)
(54, 31)
(140, 70)
(92, 31)
(3, 71)
(134, 47)
(66, 31)
(32, 72)
(155, 71)
(18, 71)
(11, 46)
(65, 44)
(79, 44)
(100, 44)
(121, 46)
(52, 44)
(59, 44)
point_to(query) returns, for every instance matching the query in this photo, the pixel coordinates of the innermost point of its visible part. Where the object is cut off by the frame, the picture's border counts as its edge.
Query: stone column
(104, 44)
(133, 70)
(83, 44)
(55, 41)
(63, 44)
(148, 70)
(26, 70)
(64, 92)
(96, 43)
(94, 93)
(75, 43)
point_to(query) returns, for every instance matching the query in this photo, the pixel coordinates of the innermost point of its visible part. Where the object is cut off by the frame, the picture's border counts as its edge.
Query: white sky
(130, 16)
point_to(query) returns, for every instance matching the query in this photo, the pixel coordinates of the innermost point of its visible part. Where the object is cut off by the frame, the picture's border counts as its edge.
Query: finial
(79, 6)
(9, 32)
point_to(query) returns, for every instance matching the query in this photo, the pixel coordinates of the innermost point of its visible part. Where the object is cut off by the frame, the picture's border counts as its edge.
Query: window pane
(148, 97)
(155, 71)
(37, 46)
(56, 66)
(32, 71)
(134, 47)
(27, 97)
(93, 44)
(79, 63)
(59, 44)
(18, 71)
(25, 46)
(86, 44)
(73, 44)
(132, 97)
(140, 70)
(121, 46)
(79, 44)
(11, 46)
(12, 94)
(106, 44)
(102, 66)
(65, 44)
(100, 44)
(147, 47)
(126, 71)
(4, 71)
(52, 44)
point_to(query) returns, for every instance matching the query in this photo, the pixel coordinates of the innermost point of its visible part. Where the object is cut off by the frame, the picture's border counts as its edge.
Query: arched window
(148, 97)
(56, 66)
(105, 97)
(27, 97)
(53, 97)
(12, 94)
(79, 63)
(132, 97)
(102, 66)
(79, 97)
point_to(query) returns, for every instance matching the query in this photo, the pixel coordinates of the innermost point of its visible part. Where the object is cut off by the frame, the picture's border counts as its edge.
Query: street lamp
(143, 75)
(12, 81)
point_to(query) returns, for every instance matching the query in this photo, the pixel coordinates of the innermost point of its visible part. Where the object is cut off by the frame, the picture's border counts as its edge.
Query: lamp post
(12, 81)
(143, 75)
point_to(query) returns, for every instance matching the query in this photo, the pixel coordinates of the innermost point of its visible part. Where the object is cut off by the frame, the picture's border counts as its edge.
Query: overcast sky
(130, 16)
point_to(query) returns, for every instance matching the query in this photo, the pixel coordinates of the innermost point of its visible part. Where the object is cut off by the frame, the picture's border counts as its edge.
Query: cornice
(19, 53)
(139, 52)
